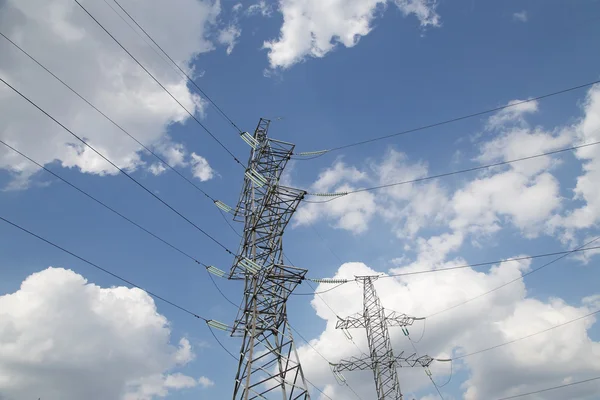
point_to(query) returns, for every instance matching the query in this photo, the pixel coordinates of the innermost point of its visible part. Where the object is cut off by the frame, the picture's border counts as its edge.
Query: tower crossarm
(394, 318)
(366, 363)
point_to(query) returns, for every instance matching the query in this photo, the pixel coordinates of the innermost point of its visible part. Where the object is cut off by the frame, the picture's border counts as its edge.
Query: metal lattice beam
(381, 359)
(268, 366)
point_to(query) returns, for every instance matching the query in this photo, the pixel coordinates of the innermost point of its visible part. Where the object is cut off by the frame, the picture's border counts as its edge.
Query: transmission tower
(269, 367)
(381, 359)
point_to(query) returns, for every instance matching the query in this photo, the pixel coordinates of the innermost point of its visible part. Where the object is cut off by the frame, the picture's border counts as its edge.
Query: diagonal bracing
(381, 359)
(268, 365)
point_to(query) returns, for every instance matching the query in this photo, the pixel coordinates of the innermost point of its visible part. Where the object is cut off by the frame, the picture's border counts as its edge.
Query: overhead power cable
(156, 296)
(222, 113)
(109, 119)
(462, 171)
(429, 271)
(119, 169)
(324, 358)
(427, 370)
(521, 277)
(105, 205)
(456, 119)
(549, 389)
(160, 84)
(527, 336)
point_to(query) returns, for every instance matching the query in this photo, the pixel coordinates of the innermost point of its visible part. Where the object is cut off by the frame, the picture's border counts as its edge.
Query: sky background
(327, 73)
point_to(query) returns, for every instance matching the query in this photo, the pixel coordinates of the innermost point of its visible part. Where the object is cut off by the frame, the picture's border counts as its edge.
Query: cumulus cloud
(205, 382)
(587, 130)
(262, 7)
(480, 206)
(352, 214)
(200, 168)
(513, 115)
(63, 338)
(504, 315)
(314, 28)
(229, 36)
(67, 41)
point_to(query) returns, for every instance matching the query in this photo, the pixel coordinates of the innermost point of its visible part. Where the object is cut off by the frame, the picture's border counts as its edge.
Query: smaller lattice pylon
(381, 359)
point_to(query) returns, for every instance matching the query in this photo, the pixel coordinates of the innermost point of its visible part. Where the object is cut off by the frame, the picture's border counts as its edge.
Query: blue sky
(408, 69)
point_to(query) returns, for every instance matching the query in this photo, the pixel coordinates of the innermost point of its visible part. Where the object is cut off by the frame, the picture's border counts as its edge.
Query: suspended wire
(229, 224)
(477, 114)
(160, 84)
(449, 376)
(108, 118)
(427, 371)
(516, 279)
(156, 296)
(119, 169)
(220, 291)
(428, 271)
(221, 344)
(422, 332)
(106, 206)
(336, 196)
(318, 293)
(222, 113)
(549, 389)
(324, 243)
(527, 336)
(323, 357)
(143, 38)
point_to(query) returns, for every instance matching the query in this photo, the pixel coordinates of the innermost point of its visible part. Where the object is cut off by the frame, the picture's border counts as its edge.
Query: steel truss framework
(381, 360)
(269, 367)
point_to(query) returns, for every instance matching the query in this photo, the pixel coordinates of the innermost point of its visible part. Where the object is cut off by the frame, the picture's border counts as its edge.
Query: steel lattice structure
(269, 367)
(381, 360)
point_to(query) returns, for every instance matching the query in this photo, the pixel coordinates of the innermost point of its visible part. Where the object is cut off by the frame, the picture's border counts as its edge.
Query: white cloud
(351, 213)
(67, 41)
(157, 168)
(587, 130)
(62, 338)
(512, 116)
(479, 206)
(314, 28)
(205, 382)
(200, 168)
(504, 315)
(262, 7)
(520, 16)
(229, 36)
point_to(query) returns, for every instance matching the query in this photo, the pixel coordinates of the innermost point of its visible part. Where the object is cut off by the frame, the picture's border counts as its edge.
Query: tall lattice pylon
(381, 359)
(269, 367)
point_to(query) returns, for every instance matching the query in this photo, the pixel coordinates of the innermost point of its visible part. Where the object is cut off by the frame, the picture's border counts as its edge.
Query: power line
(452, 120)
(321, 292)
(521, 277)
(222, 113)
(549, 389)
(105, 205)
(220, 291)
(324, 358)
(108, 118)
(120, 170)
(462, 171)
(428, 372)
(428, 271)
(527, 336)
(318, 294)
(160, 84)
(104, 270)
